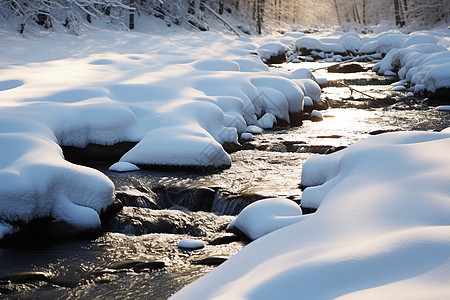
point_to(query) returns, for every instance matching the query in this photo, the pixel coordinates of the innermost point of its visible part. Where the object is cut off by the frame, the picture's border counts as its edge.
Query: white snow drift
(381, 230)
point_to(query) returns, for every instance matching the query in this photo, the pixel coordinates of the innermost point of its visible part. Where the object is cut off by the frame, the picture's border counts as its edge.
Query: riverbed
(161, 208)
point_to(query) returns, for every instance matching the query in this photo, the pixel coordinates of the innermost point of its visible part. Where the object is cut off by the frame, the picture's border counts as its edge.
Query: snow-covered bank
(381, 230)
(421, 58)
(180, 97)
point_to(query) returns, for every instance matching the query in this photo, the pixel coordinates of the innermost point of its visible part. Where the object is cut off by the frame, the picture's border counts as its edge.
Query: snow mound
(264, 216)
(123, 166)
(301, 73)
(187, 243)
(420, 59)
(311, 43)
(253, 129)
(316, 116)
(381, 229)
(310, 88)
(217, 65)
(266, 51)
(438, 77)
(443, 108)
(399, 88)
(36, 181)
(267, 121)
(247, 136)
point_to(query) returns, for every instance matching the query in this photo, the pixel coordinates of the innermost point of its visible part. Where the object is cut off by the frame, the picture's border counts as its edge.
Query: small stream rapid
(138, 256)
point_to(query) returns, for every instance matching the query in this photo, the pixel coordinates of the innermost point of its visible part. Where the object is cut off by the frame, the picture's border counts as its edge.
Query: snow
(188, 243)
(267, 121)
(253, 129)
(247, 136)
(308, 101)
(380, 231)
(269, 50)
(123, 166)
(316, 115)
(389, 73)
(421, 59)
(438, 77)
(443, 108)
(36, 181)
(264, 216)
(310, 88)
(351, 43)
(179, 97)
(399, 88)
(6, 228)
(311, 43)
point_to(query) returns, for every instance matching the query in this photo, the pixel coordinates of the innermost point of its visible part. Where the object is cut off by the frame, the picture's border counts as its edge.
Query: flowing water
(138, 255)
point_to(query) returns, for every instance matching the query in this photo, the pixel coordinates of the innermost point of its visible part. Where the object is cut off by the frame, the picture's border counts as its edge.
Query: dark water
(162, 208)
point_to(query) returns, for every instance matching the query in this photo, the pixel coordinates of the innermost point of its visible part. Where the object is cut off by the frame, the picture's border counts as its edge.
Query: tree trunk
(399, 21)
(337, 12)
(259, 15)
(221, 7)
(364, 12)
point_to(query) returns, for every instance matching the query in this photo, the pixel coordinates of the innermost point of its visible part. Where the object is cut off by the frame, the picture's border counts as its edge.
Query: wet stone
(27, 277)
(228, 239)
(346, 68)
(138, 221)
(211, 261)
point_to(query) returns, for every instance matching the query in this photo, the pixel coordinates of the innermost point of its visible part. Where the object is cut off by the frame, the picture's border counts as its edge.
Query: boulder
(345, 68)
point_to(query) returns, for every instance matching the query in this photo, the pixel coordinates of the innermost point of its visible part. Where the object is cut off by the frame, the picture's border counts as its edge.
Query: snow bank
(36, 181)
(179, 99)
(381, 229)
(422, 59)
(269, 50)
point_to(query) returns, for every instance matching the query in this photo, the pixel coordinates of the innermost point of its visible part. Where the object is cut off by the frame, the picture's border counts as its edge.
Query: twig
(367, 95)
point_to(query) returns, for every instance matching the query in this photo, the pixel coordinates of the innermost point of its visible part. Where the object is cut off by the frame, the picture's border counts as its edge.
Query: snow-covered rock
(311, 43)
(316, 116)
(36, 181)
(247, 136)
(399, 88)
(187, 243)
(253, 129)
(438, 77)
(264, 216)
(267, 121)
(272, 50)
(123, 166)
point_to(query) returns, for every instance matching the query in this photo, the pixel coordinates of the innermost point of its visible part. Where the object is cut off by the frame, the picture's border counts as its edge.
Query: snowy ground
(381, 229)
(383, 203)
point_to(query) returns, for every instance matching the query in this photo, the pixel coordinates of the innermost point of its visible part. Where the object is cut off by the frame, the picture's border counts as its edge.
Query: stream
(138, 256)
